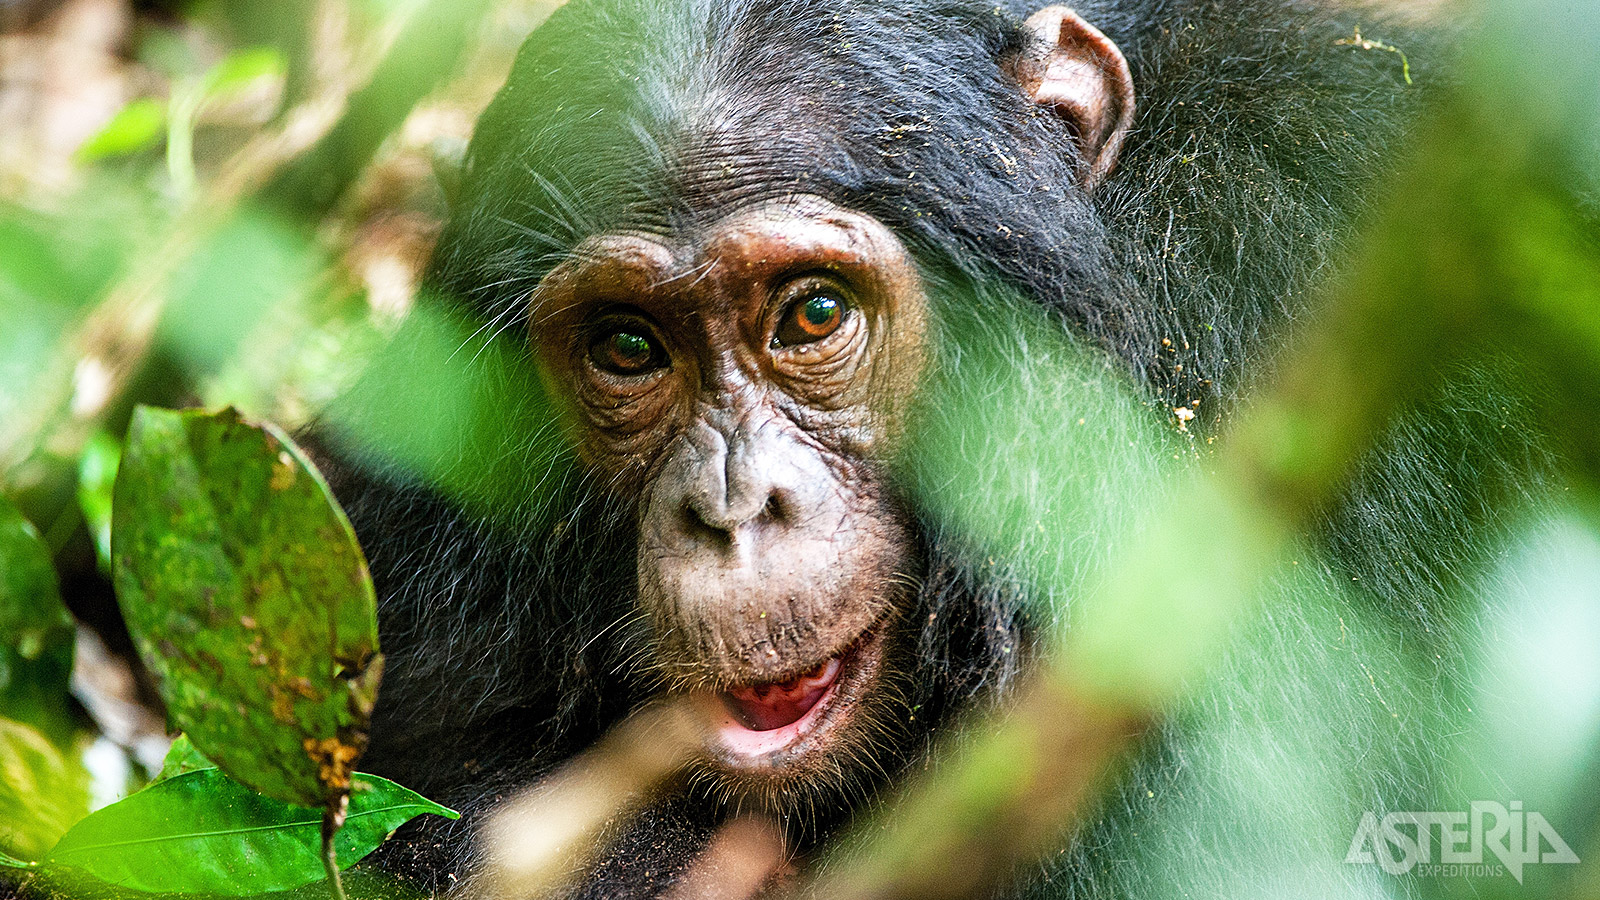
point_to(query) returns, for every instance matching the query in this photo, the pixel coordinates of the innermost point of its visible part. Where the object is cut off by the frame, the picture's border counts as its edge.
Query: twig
(742, 858)
(1368, 44)
(539, 838)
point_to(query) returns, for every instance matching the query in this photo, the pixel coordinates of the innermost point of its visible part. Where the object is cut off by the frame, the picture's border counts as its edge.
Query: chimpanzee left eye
(626, 352)
(811, 318)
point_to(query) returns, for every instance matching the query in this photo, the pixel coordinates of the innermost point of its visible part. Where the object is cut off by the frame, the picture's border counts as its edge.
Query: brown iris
(625, 352)
(811, 319)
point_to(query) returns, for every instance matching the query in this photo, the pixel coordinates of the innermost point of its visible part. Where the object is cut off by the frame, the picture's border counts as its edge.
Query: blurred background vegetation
(201, 203)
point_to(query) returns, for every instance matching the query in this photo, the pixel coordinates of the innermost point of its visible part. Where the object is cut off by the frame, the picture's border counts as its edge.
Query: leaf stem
(332, 821)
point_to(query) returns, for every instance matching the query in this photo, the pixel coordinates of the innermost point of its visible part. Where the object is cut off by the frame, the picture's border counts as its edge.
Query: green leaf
(182, 758)
(241, 68)
(42, 791)
(247, 594)
(97, 472)
(135, 127)
(203, 832)
(36, 632)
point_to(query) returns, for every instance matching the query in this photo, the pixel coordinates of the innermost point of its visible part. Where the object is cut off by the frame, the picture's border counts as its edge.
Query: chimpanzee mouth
(776, 706)
(763, 727)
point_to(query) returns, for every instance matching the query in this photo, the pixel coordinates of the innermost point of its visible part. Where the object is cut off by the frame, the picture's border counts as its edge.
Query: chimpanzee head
(718, 228)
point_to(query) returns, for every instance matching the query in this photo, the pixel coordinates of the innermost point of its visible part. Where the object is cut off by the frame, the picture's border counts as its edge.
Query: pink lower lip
(765, 718)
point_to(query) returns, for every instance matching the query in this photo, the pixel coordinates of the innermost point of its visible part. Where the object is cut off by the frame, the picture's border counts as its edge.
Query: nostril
(697, 524)
(720, 523)
(774, 510)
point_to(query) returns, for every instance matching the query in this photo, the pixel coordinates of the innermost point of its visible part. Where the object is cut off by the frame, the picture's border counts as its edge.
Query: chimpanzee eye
(626, 351)
(811, 318)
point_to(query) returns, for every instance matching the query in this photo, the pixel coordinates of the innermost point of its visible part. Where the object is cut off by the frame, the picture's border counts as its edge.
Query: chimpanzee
(727, 238)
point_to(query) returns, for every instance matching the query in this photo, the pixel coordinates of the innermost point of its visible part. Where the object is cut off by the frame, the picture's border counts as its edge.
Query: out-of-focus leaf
(165, 51)
(281, 25)
(203, 832)
(987, 431)
(246, 592)
(241, 68)
(58, 262)
(182, 758)
(97, 472)
(136, 127)
(36, 632)
(235, 277)
(230, 76)
(436, 35)
(49, 268)
(42, 791)
(450, 403)
(1537, 677)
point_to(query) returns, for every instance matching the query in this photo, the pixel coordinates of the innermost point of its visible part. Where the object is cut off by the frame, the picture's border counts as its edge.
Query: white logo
(1403, 842)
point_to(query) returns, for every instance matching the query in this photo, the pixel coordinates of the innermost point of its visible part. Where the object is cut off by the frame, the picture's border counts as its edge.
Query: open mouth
(764, 725)
(770, 707)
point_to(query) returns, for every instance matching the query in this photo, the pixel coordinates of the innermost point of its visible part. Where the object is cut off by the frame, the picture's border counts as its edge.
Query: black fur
(510, 640)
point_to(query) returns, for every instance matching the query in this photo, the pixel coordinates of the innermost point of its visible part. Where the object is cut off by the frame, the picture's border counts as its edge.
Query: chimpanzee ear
(1073, 69)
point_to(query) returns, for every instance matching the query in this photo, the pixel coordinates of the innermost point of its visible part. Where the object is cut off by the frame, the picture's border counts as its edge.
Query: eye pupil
(625, 353)
(810, 319)
(819, 312)
(630, 347)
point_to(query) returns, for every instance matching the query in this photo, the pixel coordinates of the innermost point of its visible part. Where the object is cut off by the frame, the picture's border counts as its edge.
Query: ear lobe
(1074, 70)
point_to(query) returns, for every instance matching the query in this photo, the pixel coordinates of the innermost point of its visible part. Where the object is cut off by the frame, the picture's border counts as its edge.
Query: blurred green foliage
(1483, 247)
(219, 238)
(46, 791)
(36, 647)
(45, 785)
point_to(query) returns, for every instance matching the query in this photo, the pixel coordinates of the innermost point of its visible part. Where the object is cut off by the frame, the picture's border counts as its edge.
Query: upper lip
(743, 668)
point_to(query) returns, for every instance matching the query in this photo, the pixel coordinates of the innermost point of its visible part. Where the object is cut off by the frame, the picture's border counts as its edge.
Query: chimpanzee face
(742, 381)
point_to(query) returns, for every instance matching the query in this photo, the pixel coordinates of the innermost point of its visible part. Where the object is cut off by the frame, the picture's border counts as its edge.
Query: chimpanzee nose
(737, 480)
(723, 517)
